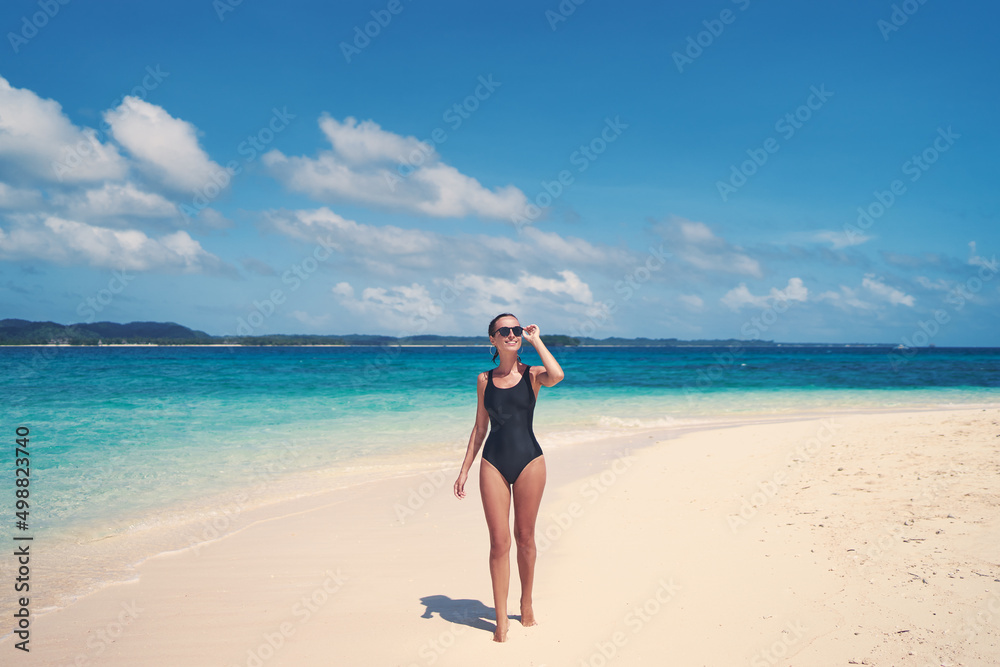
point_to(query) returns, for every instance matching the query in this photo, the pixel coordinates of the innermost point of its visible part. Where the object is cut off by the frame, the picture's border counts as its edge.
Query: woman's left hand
(531, 333)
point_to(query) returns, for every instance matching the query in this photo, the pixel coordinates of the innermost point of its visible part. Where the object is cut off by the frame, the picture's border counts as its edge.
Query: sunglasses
(505, 331)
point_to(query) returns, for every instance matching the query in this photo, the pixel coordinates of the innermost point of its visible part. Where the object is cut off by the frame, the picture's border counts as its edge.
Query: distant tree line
(24, 332)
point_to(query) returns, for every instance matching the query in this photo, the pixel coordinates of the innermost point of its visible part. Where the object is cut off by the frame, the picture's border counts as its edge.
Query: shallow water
(140, 442)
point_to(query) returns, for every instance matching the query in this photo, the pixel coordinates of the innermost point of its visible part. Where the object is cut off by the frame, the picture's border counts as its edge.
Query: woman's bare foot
(528, 616)
(500, 634)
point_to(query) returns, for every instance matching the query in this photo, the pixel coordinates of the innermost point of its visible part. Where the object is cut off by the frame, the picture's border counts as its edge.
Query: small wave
(606, 426)
(634, 422)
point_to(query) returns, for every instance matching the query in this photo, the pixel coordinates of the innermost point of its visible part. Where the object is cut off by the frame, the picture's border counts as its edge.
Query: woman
(513, 464)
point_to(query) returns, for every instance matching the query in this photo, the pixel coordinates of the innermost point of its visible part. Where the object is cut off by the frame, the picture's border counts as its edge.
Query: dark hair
(492, 331)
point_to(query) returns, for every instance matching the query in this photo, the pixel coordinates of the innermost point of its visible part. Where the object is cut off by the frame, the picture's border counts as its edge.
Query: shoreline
(575, 461)
(214, 515)
(322, 576)
(176, 529)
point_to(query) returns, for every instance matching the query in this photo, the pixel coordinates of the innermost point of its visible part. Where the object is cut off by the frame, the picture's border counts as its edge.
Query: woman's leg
(527, 497)
(496, 503)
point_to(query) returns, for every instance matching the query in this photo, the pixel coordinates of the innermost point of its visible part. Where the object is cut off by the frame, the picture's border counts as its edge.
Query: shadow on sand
(472, 613)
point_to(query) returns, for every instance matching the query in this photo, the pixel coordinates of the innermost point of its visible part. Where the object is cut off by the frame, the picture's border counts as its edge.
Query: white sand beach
(868, 539)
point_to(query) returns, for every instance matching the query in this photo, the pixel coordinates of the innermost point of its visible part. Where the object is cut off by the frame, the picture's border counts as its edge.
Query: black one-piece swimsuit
(511, 444)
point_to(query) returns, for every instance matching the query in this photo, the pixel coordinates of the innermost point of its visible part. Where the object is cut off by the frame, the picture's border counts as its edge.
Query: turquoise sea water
(132, 439)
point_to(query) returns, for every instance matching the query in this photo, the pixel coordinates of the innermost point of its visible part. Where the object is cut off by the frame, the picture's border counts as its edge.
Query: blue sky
(602, 169)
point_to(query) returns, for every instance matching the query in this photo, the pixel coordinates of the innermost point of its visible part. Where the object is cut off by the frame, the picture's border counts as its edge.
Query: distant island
(24, 332)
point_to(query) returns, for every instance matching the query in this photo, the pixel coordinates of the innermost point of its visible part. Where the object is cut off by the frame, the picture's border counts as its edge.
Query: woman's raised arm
(553, 373)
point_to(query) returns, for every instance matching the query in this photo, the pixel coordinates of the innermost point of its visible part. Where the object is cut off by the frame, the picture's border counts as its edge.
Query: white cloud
(115, 199)
(846, 299)
(564, 249)
(364, 167)
(842, 239)
(166, 148)
(940, 285)
(343, 289)
(53, 218)
(894, 296)
(411, 309)
(976, 260)
(570, 285)
(311, 321)
(692, 301)
(70, 242)
(212, 219)
(528, 291)
(404, 309)
(40, 148)
(795, 290)
(740, 296)
(366, 142)
(343, 234)
(389, 250)
(695, 232)
(851, 299)
(18, 198)
(406, 299)
(695, 244)
(39, 143)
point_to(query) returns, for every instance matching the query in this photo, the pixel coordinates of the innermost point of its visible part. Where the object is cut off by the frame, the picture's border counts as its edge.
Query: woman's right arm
(479, 431)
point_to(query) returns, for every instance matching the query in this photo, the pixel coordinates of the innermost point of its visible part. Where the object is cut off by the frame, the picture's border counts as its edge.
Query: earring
(493, 350)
